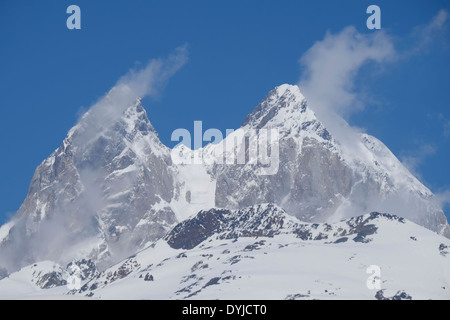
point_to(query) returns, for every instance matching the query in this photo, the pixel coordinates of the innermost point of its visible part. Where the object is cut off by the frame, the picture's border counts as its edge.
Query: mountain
(261, 252)
(321, 178)
(101, 194)
(112, 188)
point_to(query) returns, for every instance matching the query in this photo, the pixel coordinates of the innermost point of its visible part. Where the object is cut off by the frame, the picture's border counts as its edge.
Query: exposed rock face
(3, 273)
(309, 184)
(264, 220)
(51, 280)
(239, 253)
(112, 188)
(84, 269)
(106, 189)
(320, 178)
(400, 295)
(268, 220)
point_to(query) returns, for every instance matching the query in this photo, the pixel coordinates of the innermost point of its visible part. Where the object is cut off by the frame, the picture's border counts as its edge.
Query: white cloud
(442, 122)
(447, 129)
(426, 35)
(413, 159)
(137, 83)
(66, 227)
(330, 68)
(329, 73)
(147, 81)
(443, 198)
(331, 65)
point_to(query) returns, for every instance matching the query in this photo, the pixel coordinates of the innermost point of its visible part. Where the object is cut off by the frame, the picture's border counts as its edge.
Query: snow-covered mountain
(102, 194)
(261, 252)
(112, 188)
(321, 178)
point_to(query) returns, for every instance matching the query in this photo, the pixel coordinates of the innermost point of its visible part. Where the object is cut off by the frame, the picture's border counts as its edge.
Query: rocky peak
(265, 220)
(269, 220)
(282, 97)
(99, 187)
(111, 188)
(286, 109)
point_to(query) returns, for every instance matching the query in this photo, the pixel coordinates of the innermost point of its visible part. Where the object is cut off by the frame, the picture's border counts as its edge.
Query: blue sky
(238, 51)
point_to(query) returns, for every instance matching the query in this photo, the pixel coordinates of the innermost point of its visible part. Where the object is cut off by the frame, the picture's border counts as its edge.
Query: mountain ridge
(112, 187)
(297, 261)
(307, 151)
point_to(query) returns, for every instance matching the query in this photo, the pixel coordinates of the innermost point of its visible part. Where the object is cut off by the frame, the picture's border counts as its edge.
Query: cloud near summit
(137, 83)
(331, 65)
(330, 71)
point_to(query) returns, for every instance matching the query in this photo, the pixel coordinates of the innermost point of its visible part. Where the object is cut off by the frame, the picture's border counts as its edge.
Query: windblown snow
(222, 229)
(261, 252)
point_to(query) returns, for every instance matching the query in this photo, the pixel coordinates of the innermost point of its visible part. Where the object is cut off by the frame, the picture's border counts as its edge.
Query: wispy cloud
(447, 129)
(331, 65)
(139, 83)
(443, 198)
(67, 226)
(442, 122)
(330, 71)
(150, 79)
(425, 35)
(414, 159)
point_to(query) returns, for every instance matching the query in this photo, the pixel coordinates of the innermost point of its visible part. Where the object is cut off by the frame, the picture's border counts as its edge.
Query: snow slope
(235, 259)
(112, 188)
(323, 176)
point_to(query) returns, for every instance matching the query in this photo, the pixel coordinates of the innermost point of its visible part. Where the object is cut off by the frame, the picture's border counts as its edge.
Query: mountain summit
(321, 178)
(112, 188)
(98, 195)
(260, 252)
